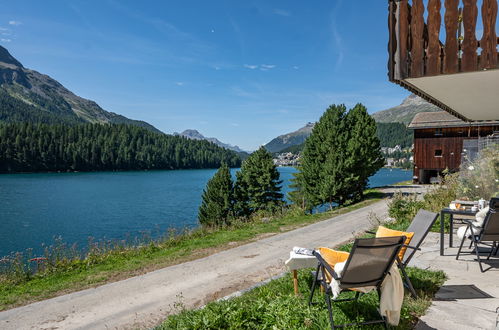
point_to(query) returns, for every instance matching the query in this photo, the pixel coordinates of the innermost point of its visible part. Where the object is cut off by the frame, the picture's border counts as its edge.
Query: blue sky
(241, 71)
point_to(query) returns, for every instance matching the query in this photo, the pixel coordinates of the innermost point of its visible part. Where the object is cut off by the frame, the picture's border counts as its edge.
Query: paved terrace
(469, 299)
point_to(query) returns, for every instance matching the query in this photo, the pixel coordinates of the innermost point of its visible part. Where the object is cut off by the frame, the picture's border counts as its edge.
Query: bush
(480, 178)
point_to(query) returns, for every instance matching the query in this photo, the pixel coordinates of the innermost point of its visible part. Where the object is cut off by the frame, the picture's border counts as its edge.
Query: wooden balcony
(437, 48)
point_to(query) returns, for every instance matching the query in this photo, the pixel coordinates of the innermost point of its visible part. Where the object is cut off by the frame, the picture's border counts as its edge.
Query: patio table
(451, 213)
(299, 261)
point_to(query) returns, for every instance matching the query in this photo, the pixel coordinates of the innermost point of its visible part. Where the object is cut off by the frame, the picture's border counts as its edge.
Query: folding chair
(489, 232)
(420, 226)
(367, 265)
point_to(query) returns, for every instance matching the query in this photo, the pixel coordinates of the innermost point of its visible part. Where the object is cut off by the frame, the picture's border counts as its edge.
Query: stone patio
(469, 299)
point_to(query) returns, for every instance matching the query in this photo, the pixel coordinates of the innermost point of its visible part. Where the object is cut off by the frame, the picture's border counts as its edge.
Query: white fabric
(477, 225)
(299, 261)
(392, 293)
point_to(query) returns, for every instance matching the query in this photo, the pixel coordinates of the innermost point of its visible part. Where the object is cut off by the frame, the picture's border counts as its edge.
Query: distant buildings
(442, 141)
(287, 159)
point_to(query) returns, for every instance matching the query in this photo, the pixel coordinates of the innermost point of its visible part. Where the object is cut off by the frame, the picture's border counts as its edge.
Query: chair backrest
(370, 260)
(490, 230)
(420, 226)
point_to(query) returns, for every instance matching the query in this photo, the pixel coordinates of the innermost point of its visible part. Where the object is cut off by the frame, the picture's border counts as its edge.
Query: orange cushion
(332, 257)
(386, 232)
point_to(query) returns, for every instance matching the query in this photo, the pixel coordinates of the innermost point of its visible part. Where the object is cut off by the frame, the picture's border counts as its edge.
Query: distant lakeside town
(396, 157)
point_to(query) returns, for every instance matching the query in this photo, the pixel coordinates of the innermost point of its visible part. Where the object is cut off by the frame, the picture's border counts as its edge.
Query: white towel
(392, 292)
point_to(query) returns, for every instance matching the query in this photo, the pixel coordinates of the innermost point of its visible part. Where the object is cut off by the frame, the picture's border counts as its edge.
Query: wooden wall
(424, 153)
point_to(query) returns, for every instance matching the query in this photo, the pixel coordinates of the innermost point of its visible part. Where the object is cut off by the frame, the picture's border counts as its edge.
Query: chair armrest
(412, 247)
(327, 266)
(468, 221)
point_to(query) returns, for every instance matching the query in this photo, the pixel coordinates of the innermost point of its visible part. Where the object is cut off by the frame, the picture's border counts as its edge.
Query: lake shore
(119, 264)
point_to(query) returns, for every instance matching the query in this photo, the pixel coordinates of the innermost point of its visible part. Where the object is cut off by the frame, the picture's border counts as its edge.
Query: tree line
(340, 155)
(256, 188)
(28, 147)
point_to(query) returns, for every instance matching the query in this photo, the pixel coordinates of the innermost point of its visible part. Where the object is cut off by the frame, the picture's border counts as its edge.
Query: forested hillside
(27, 147)
(392, 134)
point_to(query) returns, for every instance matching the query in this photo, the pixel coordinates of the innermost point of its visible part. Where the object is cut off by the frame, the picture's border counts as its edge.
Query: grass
(113, 265)
(274, 305)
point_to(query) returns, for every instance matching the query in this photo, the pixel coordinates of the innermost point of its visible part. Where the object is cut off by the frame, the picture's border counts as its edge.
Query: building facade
(444, 142)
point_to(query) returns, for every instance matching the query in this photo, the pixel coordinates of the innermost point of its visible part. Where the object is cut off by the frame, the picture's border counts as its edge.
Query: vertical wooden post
(433, 51)
(469, 61)
(451, 39)
(295, 281)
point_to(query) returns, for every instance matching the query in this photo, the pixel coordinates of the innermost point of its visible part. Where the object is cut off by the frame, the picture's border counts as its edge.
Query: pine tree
(320, 176)
(258, 185)
(364, 150)
(216, 207)
(338, 158)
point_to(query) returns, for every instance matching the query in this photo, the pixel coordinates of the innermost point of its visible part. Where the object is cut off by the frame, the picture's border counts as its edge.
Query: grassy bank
(274, 306)
(104, 264)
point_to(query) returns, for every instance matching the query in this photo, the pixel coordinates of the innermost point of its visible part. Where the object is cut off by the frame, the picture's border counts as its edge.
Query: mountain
(29, 96)
(404, 112)
(388, 131)
(287, 140)
(195, 135)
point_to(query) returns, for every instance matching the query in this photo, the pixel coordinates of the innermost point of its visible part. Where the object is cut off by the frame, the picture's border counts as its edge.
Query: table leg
(295, 281)
(451, 222)
(442, 229)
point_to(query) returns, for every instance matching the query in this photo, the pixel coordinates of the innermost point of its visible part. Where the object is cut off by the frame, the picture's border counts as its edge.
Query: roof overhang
(471, 96)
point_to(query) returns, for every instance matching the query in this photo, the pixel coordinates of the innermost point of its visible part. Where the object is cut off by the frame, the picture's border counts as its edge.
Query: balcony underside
(471, 96)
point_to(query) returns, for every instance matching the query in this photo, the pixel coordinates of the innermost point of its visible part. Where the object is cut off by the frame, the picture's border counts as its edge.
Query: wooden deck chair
(367, 265)
(488, 233)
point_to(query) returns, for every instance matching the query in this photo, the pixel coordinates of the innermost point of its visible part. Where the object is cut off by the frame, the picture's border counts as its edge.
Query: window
(438, 152)
(438, 132)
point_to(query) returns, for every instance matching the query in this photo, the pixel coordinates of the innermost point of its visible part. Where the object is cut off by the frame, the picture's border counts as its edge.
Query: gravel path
(146, 300)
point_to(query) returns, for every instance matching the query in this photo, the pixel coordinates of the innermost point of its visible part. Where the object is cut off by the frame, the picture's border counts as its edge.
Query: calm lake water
(34, 208)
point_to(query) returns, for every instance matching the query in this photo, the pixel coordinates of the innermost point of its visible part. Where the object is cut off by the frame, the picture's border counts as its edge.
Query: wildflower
(476, 187)
(471, 167)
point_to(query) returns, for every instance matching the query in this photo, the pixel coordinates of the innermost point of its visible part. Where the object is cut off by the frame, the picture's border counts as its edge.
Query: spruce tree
(216, 206)
(338, 158)
(320, 176)
(258, 185)
(365, 157)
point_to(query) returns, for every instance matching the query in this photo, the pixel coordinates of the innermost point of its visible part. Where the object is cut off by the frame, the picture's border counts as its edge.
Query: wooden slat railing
(416, 48)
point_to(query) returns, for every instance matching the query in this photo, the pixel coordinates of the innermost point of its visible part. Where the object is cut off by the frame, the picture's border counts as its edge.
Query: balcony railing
(420, 45)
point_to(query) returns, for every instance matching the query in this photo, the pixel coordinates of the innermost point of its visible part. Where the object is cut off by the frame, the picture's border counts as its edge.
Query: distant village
(395, 157)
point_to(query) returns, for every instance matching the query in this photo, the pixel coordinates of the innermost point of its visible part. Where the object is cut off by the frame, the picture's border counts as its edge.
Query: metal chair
(367, 265)
(489, 232)
(420, 226)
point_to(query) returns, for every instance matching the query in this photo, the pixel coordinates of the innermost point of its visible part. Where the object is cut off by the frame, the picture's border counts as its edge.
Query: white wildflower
(471, 167)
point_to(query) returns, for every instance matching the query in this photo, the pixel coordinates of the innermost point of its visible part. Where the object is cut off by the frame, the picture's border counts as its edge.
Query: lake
(34, 208)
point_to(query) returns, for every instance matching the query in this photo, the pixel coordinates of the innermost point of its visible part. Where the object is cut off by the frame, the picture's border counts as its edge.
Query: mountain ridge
(196, 135)
(403, 113)
(38, 95)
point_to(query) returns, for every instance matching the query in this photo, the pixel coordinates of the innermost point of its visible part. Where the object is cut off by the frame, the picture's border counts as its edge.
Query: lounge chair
(488, 234)
(367, 265)
(420, 227)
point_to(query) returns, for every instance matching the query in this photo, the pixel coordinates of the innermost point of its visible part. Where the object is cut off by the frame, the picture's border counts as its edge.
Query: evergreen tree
(340, 155)
(320, 177)
(365, 157)
(216, 207)
(258, 185)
